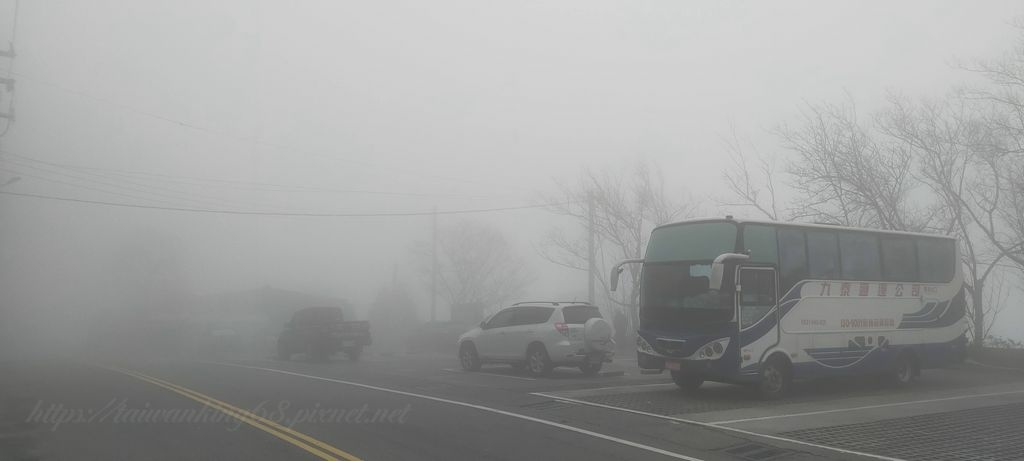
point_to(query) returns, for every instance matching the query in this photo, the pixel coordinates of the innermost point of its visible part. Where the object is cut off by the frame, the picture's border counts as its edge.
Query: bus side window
(762, 243)
(936, 260)
(757, 295)
(860, 256)
(899, 259)
(822, 255)
(792, 257)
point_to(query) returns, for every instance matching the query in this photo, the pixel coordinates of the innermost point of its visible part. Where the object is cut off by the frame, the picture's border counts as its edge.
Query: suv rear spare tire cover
(597, 334)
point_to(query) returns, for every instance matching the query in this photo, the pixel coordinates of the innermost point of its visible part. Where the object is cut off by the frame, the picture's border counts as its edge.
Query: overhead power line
(120, 184)
(253, 140)
(213, 182)
(85, 186)
(273, 213)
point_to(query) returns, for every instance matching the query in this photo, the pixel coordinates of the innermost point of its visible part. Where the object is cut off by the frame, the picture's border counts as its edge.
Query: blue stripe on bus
(945, 314)
(925, 311)
(875, 359)
(937, 310)
(882, 359)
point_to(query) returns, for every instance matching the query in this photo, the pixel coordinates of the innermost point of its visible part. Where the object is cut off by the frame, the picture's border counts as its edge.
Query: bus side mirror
(718, 268)
(618, 270)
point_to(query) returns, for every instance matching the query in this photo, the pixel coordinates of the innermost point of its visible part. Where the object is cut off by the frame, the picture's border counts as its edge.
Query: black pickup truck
(320, 332)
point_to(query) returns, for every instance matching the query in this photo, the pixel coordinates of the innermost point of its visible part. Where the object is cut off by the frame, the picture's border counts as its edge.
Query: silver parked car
(539, 336)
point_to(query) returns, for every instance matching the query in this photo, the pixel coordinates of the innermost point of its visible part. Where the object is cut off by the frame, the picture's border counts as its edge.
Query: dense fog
(181, 171)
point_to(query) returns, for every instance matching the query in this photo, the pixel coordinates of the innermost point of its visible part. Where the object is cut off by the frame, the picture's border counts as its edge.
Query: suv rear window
(580, 314)
(531, 315)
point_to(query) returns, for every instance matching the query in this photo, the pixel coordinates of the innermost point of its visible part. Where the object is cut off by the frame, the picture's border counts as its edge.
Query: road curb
(997, 367)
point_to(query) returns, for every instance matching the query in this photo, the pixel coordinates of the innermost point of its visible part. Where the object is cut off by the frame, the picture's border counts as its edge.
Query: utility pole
(591, 264)
(6, 119)
(7, 113)
(433, 267)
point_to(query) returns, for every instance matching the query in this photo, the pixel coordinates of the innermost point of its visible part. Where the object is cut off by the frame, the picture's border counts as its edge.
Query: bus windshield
(677, 293)
(677, 272)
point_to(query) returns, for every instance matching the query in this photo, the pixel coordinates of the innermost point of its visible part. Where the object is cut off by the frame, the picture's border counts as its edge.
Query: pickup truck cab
(321, 332)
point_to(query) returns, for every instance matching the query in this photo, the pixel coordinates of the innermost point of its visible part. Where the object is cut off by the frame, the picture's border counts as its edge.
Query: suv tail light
(562, 328)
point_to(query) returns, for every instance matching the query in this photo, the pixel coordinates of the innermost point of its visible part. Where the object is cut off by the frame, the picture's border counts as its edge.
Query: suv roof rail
(555, 303)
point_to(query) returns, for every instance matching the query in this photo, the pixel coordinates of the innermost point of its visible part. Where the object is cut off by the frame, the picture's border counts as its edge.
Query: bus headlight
(643, 346)
(712, 350)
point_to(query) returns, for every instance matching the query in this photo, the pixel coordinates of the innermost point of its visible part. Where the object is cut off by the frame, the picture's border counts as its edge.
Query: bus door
(756, 298)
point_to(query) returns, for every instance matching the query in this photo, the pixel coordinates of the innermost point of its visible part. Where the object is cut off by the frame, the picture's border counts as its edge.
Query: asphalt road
(376, 409)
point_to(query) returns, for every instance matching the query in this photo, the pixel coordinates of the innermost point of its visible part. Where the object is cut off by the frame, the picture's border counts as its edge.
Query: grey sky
(490, 102)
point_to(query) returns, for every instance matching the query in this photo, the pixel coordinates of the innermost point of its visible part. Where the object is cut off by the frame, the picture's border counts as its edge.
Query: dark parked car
(320, 332)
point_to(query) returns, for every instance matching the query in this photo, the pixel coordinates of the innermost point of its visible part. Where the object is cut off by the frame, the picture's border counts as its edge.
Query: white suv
(539, 336)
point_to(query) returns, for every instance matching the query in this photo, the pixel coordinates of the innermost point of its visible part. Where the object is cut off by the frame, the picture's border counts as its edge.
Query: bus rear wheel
(905, 371)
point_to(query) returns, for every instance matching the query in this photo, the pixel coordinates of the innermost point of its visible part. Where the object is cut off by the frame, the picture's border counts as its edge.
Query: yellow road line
(344, 455)
(316, 447)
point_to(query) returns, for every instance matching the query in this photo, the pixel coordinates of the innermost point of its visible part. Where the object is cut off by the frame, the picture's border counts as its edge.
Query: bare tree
(916, 167)
(1000, 213)
(750, 188)
(844, 174)
(997, 295)
(1013, 212)
(476, 265)
(971, 150)
(953, 165)
(626, 208)
(952, 144)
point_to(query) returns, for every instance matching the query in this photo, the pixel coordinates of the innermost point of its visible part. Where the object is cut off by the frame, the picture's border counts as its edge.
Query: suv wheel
(282, 352)
(590, 369)
(468, 358)
(537, 361)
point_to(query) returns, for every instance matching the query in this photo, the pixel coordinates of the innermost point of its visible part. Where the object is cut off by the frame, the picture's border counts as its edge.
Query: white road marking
(478, 407)
(453, 370)
(974, 362)
(626, 387)
(867, 407)
(714, 426)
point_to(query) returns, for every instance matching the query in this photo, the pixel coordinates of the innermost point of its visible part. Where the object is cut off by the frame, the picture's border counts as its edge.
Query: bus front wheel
(686, 382)
(776, 378)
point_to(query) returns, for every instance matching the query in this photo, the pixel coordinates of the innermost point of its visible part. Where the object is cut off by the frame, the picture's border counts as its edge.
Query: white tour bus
(764, 303)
